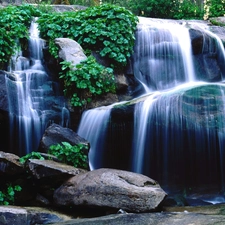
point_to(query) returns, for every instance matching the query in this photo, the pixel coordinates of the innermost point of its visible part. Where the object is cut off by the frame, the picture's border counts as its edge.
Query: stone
(70, 50)
(50, 169)
(55, 134)
(49, 175)
(111, 188)
(207, 59)
(104, 100)
(14, 215)
(174, 218)
(9, 164)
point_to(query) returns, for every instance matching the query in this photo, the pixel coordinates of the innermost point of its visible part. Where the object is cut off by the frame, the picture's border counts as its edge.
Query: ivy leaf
(106, 43)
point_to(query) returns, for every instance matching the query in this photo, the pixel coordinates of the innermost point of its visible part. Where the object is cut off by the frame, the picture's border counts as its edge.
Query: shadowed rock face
(9, 164)
(207, 57)
(111, 188)
(25, 215)
(55, 134)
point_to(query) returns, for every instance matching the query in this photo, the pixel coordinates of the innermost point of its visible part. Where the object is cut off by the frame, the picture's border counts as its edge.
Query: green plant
(107, 29)
(8, 196)
(176, 9)
(189, 10)
(32, 155)
(44, 7)
(86, 80)
(70, 154)
(14, 24)
(215, 8)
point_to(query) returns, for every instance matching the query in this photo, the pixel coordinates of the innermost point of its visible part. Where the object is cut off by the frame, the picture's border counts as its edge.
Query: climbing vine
(14, 24)
(87, 80)
(106, 29)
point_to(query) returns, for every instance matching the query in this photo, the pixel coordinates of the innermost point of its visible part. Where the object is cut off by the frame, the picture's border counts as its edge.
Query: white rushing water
(28, 89)
(162, 56)
(178, 130)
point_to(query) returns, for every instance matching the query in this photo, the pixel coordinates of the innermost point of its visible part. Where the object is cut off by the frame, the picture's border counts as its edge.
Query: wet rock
(179, 218)
(111, 188)
(55, 134)
(24, 215)
(9, 164)
(104, 100)
(49, 175)
(207, 57)
(52, 170)
(203, 106)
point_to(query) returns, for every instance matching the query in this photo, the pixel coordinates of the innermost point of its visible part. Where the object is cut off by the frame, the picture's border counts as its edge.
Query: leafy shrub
(71, 155)
(189, 10)
(167, 9)
(32, 155)
(87, 80)
(14, 24)
(8, 196)
(215, 8)
(106, 29)
(154, 8)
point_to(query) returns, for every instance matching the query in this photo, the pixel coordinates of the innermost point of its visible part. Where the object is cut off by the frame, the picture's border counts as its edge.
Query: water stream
(176, 134)
(30, 97)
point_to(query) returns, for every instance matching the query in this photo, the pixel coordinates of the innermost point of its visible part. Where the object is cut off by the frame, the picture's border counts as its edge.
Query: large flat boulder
(111, 188)
(49, 169)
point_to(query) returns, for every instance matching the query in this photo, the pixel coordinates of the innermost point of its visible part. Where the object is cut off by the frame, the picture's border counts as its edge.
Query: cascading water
(175, 132)
(29, 88)
(95, 133)
(162, 54)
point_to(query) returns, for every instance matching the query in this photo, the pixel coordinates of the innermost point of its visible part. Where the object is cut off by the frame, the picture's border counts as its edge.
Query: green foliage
(32, 155)
(215, 8)
(44, 7)
(189, 10)
(14, 24)
(86, 3)
(167, 9)
(154, 8)
(107, 29)
(71, 155)
(87, 80)
(7, 196)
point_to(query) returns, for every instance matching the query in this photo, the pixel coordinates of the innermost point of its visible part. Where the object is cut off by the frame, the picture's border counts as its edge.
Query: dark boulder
(112, 189)
(55, 134)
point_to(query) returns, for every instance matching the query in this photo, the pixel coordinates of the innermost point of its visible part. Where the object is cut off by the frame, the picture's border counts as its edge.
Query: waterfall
(162, 54)
(176, 131)
(95, 133)
(180, 136)
(29, 88)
